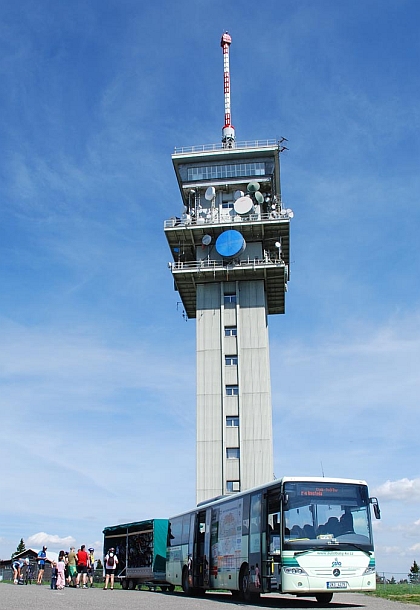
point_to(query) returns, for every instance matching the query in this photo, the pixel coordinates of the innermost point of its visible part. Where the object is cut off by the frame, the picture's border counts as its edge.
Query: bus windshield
(321, 515)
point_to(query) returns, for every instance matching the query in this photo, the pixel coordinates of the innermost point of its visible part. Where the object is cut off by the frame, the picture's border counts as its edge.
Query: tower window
(232, 390)
(232, 421)
(229, 298)
(231, 360)
(230, 331)
(232, 453)
(232, 486)
(208, 172)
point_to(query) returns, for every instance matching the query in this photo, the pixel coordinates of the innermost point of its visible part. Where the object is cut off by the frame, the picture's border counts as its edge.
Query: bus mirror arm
(284, 498)
(376, 509)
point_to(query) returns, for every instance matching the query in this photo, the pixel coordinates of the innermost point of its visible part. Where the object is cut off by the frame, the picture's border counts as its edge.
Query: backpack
(111, 560)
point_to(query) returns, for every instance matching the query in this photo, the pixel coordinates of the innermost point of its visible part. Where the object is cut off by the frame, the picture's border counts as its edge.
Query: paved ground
(33, 597)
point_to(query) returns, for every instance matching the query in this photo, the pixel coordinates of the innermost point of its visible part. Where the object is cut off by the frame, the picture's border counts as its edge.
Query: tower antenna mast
(228, 131)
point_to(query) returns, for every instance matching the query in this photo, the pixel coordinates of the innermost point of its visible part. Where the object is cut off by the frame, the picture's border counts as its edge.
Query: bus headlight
(369, 571)
(294, 571)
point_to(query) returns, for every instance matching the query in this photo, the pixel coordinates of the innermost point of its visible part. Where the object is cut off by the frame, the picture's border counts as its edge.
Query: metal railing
(215, 218)
(214, 265)
(219, 146)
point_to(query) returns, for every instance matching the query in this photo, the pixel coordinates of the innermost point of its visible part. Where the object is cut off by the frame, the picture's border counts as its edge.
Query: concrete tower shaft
(230, 250)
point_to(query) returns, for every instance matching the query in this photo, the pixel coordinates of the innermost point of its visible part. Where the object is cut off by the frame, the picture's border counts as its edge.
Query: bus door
(273, 538)
(255, 551)
(201, 553)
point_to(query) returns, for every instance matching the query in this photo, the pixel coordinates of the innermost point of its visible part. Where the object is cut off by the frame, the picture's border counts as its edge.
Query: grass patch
(406, 593)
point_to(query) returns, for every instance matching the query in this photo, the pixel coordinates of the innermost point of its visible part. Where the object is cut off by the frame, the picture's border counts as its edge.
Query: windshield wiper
(359, 548)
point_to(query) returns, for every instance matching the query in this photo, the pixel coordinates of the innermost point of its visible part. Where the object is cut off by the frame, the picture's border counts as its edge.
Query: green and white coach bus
(304, 536)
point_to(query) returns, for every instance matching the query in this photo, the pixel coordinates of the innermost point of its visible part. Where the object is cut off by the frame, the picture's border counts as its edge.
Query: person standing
(71, 562)
(61, 566)
(54, 573)
(82, 565)
(111, 562)
(91, 566)
(41, 564)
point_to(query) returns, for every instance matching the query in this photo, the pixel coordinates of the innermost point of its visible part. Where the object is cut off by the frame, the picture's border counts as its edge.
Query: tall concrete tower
(230, 248)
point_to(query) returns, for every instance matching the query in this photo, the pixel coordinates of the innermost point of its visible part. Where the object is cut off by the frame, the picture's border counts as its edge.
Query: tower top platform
(234, 190)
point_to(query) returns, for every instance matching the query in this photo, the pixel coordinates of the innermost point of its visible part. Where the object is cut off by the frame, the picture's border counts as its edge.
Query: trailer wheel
(131, 584)
(124, 583)
(324, 598)
(244, 592)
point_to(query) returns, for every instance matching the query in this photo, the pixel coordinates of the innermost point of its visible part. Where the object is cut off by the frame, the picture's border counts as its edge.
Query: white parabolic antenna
(210, 193)
(243, 205)
(206, 240)
(253, 186)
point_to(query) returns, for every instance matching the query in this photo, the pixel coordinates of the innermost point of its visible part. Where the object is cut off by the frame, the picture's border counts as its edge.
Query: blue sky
(97, 364)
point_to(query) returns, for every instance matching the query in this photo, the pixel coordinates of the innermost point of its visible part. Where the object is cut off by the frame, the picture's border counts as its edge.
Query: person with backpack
(111, 562)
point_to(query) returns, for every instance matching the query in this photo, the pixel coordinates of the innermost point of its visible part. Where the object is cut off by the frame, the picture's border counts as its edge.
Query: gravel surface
(33, 597)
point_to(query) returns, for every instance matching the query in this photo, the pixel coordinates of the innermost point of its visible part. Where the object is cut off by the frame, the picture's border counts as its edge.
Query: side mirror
(376, 509)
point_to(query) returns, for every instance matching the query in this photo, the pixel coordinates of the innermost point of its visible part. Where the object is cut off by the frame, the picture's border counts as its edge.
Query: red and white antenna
(228, 131)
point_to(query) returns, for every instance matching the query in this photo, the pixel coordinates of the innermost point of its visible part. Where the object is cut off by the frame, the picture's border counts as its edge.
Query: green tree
(20, 548)
(414, 572)
(99, 565)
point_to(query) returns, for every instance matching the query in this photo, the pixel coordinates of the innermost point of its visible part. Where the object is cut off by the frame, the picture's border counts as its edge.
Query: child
(54, 575)
(61, 566)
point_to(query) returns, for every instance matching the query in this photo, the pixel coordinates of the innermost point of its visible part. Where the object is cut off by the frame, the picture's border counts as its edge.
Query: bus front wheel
(244, 592)
(324, 598)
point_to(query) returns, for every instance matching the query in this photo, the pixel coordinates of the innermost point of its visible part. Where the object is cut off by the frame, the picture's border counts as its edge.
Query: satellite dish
(230, 244)
(290, 213)
(253, 187)
(206, 241)
(259, 197)
(210, 193)
(243, 205)
(238, 194)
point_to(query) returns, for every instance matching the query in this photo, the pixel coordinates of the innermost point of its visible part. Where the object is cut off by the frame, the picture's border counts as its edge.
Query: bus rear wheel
(186, 583)
(324, 598)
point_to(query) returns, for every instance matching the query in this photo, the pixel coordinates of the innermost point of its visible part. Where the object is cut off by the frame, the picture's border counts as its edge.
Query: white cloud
(43, 539)
(403, 490)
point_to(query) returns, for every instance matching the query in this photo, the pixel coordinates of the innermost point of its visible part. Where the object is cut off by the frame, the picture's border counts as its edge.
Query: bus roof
(275, 483)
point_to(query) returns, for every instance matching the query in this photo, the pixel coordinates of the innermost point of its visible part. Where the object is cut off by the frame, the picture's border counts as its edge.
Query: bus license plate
(337, 584)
